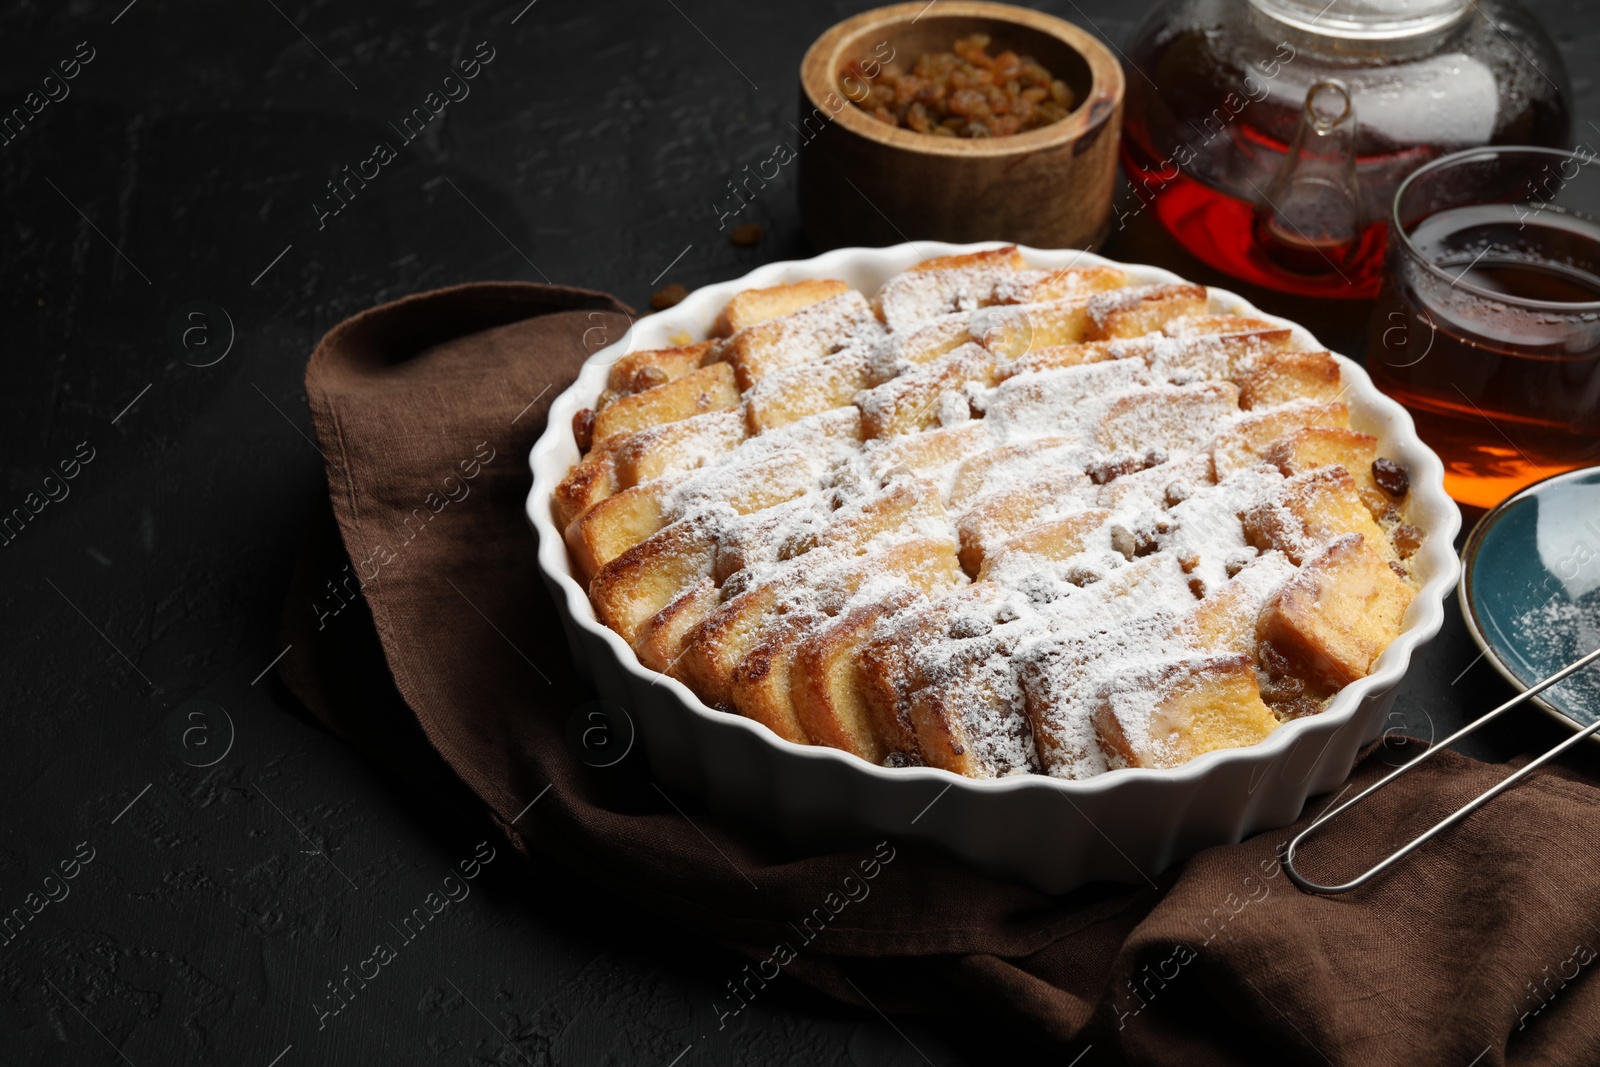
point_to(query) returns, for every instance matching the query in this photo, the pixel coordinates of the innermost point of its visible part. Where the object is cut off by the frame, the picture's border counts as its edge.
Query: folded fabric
(1474, 950)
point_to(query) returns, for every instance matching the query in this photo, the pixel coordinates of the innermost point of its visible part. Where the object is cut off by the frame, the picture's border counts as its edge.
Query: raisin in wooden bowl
(863, 181)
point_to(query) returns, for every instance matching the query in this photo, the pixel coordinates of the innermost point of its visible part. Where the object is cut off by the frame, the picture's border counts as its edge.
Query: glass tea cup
(1488, 325)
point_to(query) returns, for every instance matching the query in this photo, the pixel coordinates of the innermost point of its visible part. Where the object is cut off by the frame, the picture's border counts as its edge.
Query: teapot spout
(1309, 219)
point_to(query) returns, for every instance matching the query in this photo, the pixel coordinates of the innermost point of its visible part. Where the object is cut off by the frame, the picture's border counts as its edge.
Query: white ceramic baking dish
(1125, 825)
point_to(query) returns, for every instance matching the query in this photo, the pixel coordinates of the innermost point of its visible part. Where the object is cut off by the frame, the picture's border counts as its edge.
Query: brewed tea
(1491, 339)
(1225, 144)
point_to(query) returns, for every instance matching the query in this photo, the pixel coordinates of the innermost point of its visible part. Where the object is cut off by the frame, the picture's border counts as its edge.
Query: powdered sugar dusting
(917, 296)
(1563, 630)
(1095, 496)
(810, 333)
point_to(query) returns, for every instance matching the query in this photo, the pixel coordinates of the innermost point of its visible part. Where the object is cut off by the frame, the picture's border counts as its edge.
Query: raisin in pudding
(992, 519)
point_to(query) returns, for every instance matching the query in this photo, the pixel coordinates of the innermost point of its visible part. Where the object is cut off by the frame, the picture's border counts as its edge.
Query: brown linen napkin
(1475, 950)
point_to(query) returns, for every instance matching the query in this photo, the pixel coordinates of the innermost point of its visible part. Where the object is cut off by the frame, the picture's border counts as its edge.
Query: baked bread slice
(762, 305)
(1168, 715)
(1338, 614)
(707, 389)
(637, 371)
(827, 687)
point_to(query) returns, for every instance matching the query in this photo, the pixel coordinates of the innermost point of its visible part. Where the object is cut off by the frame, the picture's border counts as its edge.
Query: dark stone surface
(241, 856)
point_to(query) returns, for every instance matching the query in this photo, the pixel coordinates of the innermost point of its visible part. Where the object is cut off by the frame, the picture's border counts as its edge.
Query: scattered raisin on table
(747, 235)
(1391, 477)
(667, 295)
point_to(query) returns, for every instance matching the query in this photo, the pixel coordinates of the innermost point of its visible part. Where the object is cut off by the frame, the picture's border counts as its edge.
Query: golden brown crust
(716, 647)
(931, 450)
(1007, 258)
(902, 504)
(638, 371)
(1324, 446)
(658, 642)
(613, 525)
(696, 393)
(1340, 612)
(1053, 539)
(1064, 284)
(1136, 311)
(1012, 332)
(1247, 443)
(591, 480)
(912, 401)
(646, 578)
(1309, 510)
(826, 686)
(1214, 325)
(753, 306)
(813, 332)
(760, 686)
(933, 340)
(884, 664)
(790, 395)
(677, 446)
(1279, 377)
(1054, 357)
(992, 519)
(1195, 707)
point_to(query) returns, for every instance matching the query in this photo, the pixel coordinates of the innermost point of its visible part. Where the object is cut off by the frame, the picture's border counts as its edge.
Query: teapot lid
(1366, 19)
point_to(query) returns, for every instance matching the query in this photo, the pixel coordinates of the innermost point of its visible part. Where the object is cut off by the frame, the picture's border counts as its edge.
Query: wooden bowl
(864, 182)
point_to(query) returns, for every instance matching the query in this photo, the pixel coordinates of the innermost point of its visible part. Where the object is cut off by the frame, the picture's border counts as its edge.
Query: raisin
(1101, 471)
(1407, 539)
(748, 235)
(1273, 661)
(667, 296)
(648, 377)
(1297, 708)
(1081, 576)
(964, 92)
(1117, 464)
(965, 626)
(1287, 687)
(1122, 540)
(1039, 589)
(1391, 477)
(583, 428)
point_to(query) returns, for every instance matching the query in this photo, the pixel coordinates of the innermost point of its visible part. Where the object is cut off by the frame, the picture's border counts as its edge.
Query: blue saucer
(1530, 589)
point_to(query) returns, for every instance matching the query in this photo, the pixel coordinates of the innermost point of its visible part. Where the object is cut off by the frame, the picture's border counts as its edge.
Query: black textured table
(188, 866)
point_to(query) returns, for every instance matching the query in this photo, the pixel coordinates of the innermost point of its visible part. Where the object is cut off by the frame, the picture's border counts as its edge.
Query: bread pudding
(992, 519)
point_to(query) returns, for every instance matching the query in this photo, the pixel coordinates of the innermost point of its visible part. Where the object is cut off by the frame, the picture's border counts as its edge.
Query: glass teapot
(1269, 136)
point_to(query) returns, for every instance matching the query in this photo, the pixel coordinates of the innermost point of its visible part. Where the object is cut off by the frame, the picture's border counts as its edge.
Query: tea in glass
(1488, 325)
